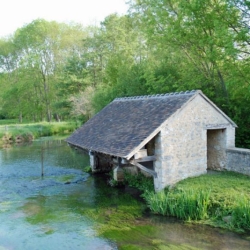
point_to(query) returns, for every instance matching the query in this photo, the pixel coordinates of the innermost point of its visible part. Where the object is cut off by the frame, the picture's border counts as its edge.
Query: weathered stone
(238, 160)
(118, 174)
(192, 141)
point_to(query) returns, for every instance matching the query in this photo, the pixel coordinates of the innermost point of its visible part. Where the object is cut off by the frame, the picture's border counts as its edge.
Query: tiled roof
(126, 122)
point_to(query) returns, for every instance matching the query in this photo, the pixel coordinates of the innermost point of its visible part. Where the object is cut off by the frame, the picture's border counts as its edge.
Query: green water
(69, 209)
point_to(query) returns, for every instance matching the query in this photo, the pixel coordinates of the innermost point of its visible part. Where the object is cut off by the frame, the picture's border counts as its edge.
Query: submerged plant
(87, 169)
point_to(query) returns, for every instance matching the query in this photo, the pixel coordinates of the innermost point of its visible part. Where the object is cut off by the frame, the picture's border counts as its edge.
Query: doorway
(216, 149)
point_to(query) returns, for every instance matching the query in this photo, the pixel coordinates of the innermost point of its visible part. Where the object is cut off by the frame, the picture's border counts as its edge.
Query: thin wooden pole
(42, 170)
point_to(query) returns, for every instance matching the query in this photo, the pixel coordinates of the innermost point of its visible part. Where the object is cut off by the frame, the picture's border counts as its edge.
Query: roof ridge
(156, 96)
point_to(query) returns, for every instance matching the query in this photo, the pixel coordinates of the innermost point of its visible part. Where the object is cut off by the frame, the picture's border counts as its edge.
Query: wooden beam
(146, 158)
(149, 171)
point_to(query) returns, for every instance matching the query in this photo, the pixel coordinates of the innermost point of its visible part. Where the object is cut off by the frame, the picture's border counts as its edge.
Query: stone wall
(181, 146)
(238, 160)
(100, 162)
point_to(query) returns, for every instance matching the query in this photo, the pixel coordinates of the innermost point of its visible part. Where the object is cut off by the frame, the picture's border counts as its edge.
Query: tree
(40, 51)
(207, 41)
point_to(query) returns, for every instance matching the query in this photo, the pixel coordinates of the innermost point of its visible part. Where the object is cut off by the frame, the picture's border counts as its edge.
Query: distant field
(12, 130)
(10, 121)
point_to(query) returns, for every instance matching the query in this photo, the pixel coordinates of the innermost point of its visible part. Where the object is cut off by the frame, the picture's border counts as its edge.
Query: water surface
(69, 209)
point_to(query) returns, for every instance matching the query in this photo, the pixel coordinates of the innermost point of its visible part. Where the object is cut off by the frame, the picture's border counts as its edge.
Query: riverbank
(219, 199)
(19, 133)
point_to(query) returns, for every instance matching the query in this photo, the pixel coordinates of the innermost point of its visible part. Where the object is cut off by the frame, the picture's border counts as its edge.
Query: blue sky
(16, 13)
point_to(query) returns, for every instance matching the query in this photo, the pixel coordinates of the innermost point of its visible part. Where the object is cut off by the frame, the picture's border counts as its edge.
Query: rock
(227, 219)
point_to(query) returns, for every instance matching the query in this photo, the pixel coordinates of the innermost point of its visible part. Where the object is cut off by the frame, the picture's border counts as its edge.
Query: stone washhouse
(169, 136)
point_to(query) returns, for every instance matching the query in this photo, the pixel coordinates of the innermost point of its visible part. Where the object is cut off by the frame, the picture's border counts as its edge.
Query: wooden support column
(149, 171)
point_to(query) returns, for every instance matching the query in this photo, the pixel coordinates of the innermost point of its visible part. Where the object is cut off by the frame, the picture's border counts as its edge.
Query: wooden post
(42, 171)
(149, 171)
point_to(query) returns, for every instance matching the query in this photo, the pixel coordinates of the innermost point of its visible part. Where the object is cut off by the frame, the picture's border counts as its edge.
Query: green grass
(10, 121)
(187, 204)
(219, 199)
(226, 188)
(36, 130)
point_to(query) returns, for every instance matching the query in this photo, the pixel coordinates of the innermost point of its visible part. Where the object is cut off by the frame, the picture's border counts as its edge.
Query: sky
(17, 13)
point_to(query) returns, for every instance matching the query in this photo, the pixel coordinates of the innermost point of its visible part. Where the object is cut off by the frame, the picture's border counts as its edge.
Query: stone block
(141, 153)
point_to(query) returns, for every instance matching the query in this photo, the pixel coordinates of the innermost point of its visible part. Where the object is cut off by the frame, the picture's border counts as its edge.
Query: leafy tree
(208, 44)
(34, 59)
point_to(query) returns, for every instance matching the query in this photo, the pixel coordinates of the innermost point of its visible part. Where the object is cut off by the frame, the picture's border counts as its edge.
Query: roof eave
(157, 130)
(143, 143)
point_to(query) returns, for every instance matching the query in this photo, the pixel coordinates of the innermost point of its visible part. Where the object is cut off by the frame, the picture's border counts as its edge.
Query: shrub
(139, 181)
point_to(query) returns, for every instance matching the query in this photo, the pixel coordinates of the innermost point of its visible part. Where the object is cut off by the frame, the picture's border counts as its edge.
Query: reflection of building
(171, 136)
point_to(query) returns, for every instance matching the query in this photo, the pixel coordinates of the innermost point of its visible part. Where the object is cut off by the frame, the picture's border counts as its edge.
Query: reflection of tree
(26, 160)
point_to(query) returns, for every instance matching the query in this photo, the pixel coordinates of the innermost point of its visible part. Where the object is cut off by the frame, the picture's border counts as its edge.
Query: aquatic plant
(87, 169)
(220, 199)
(183, 204)
(241, 213)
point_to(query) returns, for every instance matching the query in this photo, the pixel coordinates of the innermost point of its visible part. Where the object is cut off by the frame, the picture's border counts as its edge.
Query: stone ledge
(243, 151)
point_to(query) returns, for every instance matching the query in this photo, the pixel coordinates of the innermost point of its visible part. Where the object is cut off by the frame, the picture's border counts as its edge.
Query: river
(67, 208)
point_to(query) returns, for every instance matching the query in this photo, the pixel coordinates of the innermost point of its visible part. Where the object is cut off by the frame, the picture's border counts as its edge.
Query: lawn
(219, 198)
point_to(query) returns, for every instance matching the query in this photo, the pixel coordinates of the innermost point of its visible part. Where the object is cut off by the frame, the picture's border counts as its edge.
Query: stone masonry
(182, 145)
(238, 160)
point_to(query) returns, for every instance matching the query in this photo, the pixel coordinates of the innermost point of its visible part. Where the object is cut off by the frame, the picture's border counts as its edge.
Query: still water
(69, 209)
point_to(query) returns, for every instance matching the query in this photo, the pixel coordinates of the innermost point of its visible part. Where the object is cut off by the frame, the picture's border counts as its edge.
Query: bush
(139, 181)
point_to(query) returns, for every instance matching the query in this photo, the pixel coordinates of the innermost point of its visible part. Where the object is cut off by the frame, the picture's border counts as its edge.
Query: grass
(219, 199)
(227, 190)
(35, 130)
(187, 204)
(10, 121)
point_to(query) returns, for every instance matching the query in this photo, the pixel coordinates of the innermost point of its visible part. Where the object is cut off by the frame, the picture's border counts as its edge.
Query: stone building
(170, 136)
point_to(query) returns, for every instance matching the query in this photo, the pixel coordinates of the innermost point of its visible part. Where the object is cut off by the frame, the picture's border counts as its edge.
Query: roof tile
(126, 122)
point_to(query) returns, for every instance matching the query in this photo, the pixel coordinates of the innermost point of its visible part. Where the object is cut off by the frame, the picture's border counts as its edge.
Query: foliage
(220, 198)
(241, 213)
(185, 204)
(87, 169)
(9, 121)
(47, 68)
(36, 130)
(81, 103)
(139, 181)
(207, 43)
(35, 56)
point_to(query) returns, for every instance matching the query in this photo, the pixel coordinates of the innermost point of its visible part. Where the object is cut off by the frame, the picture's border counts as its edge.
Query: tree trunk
(57, 118)
(20, 118)
(224, 88)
